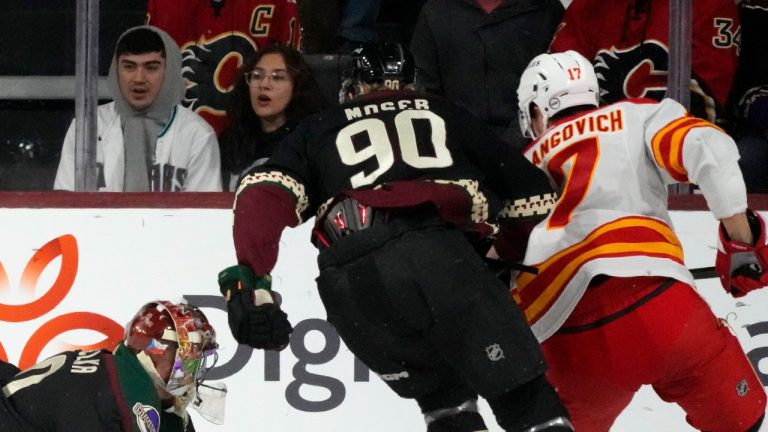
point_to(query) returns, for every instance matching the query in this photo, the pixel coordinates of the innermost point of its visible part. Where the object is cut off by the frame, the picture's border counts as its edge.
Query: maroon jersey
(628, 41)
(215, 37)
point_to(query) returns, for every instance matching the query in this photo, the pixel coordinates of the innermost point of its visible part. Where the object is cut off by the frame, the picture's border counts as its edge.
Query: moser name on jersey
(612, 121)
(402, 104)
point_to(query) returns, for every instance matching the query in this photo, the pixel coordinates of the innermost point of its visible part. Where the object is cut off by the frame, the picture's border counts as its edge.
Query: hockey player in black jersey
(399, 182)
(145, 384)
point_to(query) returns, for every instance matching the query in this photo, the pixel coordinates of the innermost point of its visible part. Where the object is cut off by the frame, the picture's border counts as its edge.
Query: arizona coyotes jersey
(88, 391)
(215, 36)
(628, 42)
(388, 150)
(612, 166)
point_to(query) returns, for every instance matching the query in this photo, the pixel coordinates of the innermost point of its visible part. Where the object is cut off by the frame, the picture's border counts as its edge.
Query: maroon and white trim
(295, 187)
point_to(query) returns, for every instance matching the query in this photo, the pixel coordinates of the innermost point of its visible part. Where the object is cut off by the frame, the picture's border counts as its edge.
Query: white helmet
(554, 82)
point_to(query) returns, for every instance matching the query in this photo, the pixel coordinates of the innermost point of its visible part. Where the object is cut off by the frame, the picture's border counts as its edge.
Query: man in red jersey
(628, 44)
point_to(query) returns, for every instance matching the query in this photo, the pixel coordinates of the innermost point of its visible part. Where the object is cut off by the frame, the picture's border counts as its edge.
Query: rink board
(93, 268)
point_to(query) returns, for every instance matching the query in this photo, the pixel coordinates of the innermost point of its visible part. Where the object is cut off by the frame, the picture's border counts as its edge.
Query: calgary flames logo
(641, 71)
(65, 247)
(210, 66)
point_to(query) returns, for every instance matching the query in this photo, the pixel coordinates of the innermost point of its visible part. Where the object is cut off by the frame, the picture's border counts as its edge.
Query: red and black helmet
(177, 338)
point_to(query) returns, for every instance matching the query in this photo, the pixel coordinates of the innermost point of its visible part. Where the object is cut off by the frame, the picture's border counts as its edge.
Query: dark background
(37, 37)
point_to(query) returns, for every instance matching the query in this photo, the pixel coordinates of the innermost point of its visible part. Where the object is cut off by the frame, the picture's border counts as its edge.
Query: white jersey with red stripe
(611, 167)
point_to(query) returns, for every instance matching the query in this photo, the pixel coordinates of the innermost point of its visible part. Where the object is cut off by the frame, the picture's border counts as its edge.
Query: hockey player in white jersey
(613, 302)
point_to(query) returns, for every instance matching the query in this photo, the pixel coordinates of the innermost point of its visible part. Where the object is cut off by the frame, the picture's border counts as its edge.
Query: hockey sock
(534, 406)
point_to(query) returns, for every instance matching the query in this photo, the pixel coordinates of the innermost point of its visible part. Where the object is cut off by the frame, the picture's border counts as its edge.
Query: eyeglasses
(276, 77)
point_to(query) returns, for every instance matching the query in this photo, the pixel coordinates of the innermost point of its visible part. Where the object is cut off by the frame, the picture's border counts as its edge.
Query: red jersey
(628, 42)
(215, 36)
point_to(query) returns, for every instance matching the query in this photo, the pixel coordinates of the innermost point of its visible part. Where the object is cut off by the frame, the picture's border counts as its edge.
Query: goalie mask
(554, 82)
(386, 63)
(173, 342)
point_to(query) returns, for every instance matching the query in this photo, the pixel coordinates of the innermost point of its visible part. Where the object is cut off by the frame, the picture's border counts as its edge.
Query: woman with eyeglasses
(275, 90)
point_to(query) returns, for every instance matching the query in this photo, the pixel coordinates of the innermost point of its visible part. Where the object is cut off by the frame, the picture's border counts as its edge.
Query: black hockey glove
(253, 309)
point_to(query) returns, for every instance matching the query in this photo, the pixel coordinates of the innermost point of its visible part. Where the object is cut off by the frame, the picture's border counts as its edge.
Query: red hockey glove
(742, 267)
(253, 309)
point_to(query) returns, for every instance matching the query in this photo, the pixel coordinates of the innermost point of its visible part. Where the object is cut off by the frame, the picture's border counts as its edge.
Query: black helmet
(388, 63)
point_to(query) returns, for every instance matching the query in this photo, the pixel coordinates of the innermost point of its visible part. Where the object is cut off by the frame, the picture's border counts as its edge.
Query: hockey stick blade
(498, 265)
(523, 268)
(703, 273)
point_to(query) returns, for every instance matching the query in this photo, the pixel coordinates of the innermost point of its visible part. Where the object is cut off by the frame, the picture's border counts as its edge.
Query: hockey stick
(703, 273)
(523, 268)
(698, 273)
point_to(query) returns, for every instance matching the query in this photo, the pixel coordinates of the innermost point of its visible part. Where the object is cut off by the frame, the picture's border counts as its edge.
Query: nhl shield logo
(742, 388)
(494, 352)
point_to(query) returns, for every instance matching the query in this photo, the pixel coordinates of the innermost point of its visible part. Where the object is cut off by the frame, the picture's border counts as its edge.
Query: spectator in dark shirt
(358, 24)
(274, 91)
(474, 51)
(750, 94)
